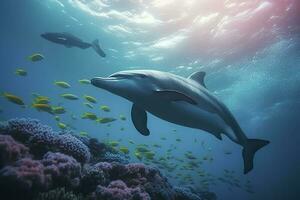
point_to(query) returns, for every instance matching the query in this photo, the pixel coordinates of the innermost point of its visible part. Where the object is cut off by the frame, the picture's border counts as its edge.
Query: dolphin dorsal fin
(198, 77)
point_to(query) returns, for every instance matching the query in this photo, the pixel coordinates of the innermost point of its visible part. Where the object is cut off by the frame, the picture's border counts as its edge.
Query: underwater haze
(249, 49)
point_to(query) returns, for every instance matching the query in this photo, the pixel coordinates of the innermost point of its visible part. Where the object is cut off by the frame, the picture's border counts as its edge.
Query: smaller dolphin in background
(69, 40)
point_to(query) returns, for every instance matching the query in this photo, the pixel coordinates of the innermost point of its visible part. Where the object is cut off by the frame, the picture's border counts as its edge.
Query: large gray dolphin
(69, 40)
(183, 101)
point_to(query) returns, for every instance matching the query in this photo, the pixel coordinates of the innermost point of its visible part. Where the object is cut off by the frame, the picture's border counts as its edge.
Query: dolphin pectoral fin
(173, 95)
(198, 77)
(139, 119)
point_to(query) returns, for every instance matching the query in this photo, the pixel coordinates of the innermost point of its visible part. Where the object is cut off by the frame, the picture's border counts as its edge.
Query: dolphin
(179, 100)
(69, 40)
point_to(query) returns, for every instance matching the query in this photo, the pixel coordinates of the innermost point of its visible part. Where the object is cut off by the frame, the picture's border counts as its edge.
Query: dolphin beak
(101, 81)
(97, 81)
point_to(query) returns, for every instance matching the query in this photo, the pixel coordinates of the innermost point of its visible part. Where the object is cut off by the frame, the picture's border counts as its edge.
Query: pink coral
(10, 150)
(118, 190)
(134, 176)
(25, 174)
(62, 168)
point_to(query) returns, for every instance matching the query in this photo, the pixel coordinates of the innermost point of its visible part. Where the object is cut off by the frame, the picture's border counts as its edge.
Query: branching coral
(41, 139)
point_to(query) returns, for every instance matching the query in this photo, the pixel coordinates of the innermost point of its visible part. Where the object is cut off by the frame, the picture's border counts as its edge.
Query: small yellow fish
(122, 117)
(125, 150)
(228, 152)
(14, 99)
(40, 100)
(69, 96)
(73, 117)
(83, 133)
(190, 156)
(138, 155)
(90, 99)
(157, 146)
(61, 125)
(21, 72)
(58, 110)
(62, 84)
(131, 142)
(163, 138)
(141, 149)
(88, 105)
(35, 57)
(105, 108)
(57, 118)
(84, 81)
(43, 107)
(149, 155)
(113, 143)
(105, 120)
(89, 115)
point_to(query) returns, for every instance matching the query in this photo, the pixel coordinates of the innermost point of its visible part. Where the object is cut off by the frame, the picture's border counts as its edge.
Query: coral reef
(24, 177)
(41, 139)
(70, 145)
(58, 194)
(101, 152)
(64, 170)
(185, 193)
(10, 150)
(38, 163)
(135, 176)
(189, 193)
(114, 157)
(118, 190)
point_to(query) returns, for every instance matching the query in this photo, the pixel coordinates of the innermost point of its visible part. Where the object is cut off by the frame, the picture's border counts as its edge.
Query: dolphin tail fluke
(96, 47)
(249, 151)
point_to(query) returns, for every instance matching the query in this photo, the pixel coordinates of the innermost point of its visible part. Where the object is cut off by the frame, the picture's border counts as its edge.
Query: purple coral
(63, 169)
(151, 179)
(10, 150)
(26, 176)
(118, 190)
(137, 176)
(41, 139)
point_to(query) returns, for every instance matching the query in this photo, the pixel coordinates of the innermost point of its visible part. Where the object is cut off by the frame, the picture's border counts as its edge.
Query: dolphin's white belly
(188, 115)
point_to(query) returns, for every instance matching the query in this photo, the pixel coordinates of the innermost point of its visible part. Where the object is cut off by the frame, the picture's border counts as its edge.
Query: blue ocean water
(258, 79)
